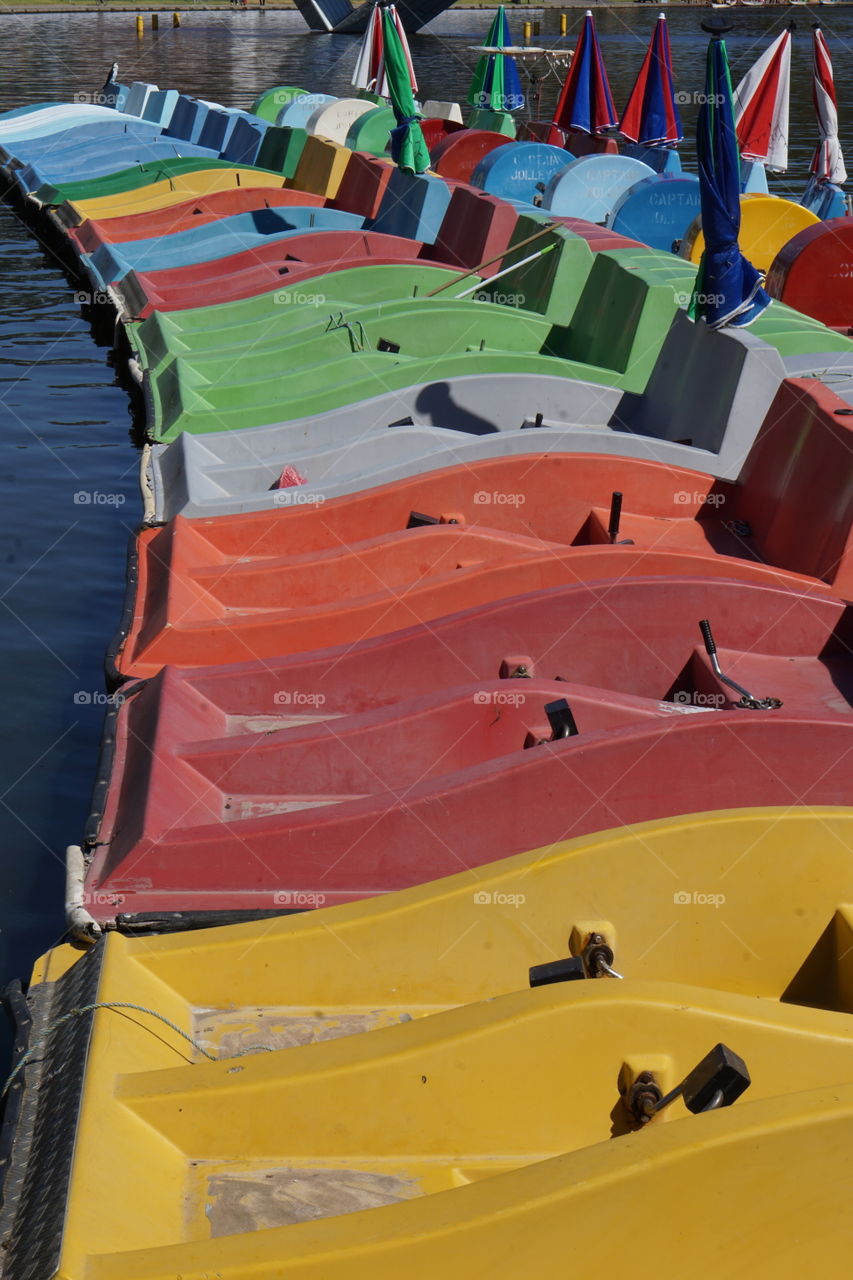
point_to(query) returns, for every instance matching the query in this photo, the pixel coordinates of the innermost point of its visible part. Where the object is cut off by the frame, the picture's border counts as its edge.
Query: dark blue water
(68, 470)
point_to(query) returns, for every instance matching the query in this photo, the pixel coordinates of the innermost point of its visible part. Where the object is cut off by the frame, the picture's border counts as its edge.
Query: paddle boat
(455, 941)
(557, 713)
(460, 421)
(252, 1155)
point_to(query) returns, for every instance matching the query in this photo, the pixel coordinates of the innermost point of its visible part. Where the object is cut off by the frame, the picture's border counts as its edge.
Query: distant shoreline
(39, 7)
(213, 6)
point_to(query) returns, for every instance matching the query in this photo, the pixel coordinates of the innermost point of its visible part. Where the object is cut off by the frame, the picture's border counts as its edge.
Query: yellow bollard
(176, 19)
(140, 26)
(155, 22)
(527, 29)
(564, 23)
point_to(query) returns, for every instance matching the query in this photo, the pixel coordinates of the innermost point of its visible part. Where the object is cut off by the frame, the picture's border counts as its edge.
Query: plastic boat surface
(295, 1159)
(250, 586)
(451, 421)
(240, 233)
(89, 235)
(476, 934)
(384, 763)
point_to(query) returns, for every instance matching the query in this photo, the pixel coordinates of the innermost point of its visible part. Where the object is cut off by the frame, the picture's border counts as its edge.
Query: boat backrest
(625, 311)
(281, 149)
(413, 205)
(160, 106)
(137, 97)
(321, 167)
(363, 184)
(475, 228)
(552, 281)
(796, 491)
(244, 140)
(708, 389)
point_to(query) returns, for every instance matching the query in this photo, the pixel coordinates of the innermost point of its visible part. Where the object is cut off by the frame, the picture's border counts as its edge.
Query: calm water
(68, 469)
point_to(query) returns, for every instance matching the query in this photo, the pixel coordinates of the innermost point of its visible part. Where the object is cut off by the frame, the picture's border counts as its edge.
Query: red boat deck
(180, 217)
(349, 772)
(267, 584)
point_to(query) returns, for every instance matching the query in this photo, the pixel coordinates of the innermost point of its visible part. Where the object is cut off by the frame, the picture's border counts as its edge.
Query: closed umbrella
(761, 103)
(586, 103)
(651, 115)
(496, 85)
(369, 72)
(728, 288)
(827, 162)
(408, 148)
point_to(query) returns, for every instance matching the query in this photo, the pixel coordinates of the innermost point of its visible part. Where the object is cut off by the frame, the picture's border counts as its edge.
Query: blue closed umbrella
(728, 288)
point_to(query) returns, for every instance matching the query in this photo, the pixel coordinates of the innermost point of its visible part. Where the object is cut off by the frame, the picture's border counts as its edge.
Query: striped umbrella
(408, 148)
(651, 115)
(728, 288)
(496, 86)
(586, 103)
(827, 161)
(369, 72)
(761, 106)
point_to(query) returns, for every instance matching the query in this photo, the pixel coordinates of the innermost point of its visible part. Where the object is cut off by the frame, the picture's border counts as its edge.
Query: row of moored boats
(468, 883)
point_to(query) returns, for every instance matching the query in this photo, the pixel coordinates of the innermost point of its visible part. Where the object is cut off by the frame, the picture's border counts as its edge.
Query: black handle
(561, 720)
(615, 515)
(708, 637)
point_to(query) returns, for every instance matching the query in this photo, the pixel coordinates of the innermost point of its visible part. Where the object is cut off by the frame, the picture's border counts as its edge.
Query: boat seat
(795, 498)
(321, 167)
(363, 185)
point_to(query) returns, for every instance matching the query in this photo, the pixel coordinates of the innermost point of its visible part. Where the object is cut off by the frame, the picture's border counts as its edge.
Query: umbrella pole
(497, 257)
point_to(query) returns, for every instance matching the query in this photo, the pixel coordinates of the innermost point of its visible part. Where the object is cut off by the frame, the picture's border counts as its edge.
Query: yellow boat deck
(322, 1125)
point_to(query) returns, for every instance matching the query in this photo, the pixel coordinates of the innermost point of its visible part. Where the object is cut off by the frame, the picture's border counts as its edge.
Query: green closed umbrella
(408, 148)
(496, 86)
